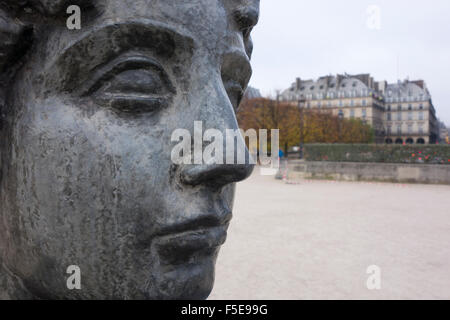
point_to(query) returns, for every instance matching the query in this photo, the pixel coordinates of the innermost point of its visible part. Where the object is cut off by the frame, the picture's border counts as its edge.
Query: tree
(299, 124)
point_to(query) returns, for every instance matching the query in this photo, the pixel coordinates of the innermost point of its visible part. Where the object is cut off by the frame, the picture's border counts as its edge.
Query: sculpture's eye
(132, 84)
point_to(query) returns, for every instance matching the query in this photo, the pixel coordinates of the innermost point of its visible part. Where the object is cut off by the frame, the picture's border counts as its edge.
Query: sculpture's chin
(193, 279)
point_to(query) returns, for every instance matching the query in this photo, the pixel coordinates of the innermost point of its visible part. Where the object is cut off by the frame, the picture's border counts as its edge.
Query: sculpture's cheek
(89, 188)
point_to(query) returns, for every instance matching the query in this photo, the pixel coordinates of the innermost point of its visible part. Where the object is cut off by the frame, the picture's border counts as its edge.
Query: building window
(364, 113)
(410, 107)
(389, 130)
(389, 117)
(421, 106)
(420, 129)
(389, 107)
(399, 130)
(420, 115)
(364, 102)
(399, 107)
(410, 115)
(341, 103)
(399, 116)
(410, 128)
(352, 113)
(352, 103)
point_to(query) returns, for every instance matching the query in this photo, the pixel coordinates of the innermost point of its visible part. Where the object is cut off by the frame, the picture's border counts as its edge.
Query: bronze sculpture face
(87, 117)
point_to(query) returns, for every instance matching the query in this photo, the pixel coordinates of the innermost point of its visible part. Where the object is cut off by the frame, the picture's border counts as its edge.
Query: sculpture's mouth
(190, 246)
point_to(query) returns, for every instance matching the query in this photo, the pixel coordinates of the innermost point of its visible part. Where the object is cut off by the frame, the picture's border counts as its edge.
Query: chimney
(420, 83)
(382, 85)
(298, 85)
(338, 80)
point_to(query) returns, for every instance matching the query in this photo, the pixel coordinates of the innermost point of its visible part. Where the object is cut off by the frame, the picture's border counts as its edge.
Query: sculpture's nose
(216, 175)
(231, 163)
(229, 160)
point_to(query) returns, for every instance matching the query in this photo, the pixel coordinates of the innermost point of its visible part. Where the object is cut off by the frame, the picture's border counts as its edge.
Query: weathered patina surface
(86, 123)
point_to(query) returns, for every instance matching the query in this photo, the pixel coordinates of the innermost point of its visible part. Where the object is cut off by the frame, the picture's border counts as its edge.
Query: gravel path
(316, 239)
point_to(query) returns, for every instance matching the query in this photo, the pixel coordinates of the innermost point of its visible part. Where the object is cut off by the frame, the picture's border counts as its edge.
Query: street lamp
(300, 107)
(341, 117)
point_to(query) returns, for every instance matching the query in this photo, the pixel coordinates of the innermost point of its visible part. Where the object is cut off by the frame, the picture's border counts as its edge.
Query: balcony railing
(403, 134)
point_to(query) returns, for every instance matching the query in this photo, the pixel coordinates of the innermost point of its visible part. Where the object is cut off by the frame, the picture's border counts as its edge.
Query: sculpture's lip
(220, 217)
(177, 248)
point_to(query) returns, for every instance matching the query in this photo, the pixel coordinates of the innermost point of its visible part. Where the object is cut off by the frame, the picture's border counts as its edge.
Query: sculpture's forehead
(206, 20)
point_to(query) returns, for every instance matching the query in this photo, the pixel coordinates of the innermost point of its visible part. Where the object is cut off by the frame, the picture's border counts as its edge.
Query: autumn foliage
(301, 125)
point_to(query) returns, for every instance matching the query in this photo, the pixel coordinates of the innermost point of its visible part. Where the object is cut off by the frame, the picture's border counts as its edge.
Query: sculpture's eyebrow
(102, 44)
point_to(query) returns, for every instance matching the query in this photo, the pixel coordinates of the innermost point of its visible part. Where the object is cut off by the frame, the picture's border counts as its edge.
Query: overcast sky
(309, 39)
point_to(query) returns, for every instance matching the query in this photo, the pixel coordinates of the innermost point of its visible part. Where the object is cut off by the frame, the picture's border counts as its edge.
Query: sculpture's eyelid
(128, 63)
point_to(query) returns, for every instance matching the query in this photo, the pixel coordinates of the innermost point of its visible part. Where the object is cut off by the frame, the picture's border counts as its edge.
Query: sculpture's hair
(11, 32)
(18, 19)
(16, 24)
(15, 39)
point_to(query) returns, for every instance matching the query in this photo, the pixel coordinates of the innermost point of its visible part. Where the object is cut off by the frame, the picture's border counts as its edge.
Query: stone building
(410, 114)
(399, 113)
